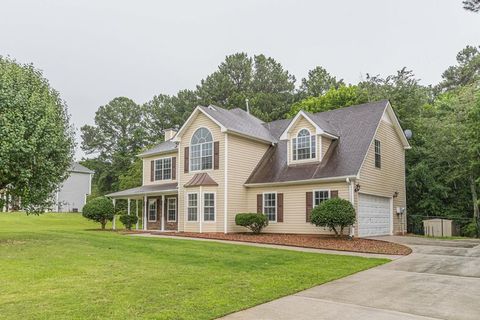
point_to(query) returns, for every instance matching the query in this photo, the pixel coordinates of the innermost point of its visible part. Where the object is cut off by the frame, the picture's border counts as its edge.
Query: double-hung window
(163, 169)
(304, 146)
(320, 196)
(270, 205)
(209, 206)
(378, 156)
(171, 209)
(201, 150)
(192, 207)
(152, 210)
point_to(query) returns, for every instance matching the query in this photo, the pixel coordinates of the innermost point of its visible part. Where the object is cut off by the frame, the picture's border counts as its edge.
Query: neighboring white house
(72, 195)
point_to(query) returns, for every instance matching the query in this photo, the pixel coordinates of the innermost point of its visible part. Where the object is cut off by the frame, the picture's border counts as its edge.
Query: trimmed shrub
(253, 221)
(99, 210)
(128, 220)
(335, 214)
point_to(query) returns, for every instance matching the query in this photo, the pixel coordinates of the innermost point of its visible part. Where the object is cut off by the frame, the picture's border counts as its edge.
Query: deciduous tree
(36, 138)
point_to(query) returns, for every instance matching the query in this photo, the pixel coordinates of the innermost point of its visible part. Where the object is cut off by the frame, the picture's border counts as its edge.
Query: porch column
(128, 206)
(136, 212)
(145, 213)
(200, 209)
(163, 213)
(113, 221)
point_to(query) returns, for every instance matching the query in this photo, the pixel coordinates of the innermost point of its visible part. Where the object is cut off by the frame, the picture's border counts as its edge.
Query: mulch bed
(306, 241)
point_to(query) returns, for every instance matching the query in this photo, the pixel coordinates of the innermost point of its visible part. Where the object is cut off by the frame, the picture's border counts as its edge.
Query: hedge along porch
(155, 205)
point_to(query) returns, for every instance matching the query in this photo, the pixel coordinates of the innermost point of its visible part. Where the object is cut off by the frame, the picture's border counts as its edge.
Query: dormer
(307, 141)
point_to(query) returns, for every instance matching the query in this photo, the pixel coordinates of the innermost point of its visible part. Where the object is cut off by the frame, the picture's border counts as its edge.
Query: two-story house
(223, 162)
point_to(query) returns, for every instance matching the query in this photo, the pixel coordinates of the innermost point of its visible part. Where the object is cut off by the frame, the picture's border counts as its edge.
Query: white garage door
(374, 215)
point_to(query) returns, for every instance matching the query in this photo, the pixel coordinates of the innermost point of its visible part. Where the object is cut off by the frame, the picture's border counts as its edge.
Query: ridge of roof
(77, 167)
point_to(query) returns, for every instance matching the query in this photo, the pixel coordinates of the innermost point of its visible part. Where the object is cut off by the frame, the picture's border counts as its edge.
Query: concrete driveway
(439, 280)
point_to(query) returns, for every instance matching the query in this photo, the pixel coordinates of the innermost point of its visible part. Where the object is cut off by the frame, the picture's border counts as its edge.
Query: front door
(171, 213)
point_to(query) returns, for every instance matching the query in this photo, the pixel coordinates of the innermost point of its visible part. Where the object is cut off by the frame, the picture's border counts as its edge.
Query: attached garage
(374, 215)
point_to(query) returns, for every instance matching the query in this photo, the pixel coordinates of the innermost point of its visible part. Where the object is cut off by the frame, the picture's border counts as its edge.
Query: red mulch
(306, 241)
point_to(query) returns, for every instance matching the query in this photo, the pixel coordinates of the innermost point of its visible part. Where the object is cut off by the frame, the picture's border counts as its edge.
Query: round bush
(335, 214)
(128, 220)
(99, 210)
(253, 221)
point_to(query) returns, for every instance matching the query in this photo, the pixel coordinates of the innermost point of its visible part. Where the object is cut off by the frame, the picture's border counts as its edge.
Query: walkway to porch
(157, 203)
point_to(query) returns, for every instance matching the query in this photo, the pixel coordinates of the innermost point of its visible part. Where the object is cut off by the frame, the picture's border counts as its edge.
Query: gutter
(143, 155)
(298, 182)
(112, 195)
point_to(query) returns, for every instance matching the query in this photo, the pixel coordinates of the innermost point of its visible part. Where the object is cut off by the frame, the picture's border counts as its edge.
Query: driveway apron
(439, 280)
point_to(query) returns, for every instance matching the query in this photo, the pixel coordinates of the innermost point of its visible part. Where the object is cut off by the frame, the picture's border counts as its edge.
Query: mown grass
(55, 266)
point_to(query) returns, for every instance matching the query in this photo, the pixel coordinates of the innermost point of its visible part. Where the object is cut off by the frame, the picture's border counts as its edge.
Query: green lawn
(54, 266)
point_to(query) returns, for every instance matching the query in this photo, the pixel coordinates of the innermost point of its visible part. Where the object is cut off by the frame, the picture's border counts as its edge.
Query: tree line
(443, 166)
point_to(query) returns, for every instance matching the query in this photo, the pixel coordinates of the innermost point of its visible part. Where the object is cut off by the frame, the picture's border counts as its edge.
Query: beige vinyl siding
(390, 178)
(147, 168)
(243, 157)
(325, 145)
(302, 123)
(218, 175)
(294, 206)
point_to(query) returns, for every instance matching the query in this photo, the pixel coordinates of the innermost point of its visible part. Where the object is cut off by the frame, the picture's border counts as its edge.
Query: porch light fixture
(357, 187)
(395, 194)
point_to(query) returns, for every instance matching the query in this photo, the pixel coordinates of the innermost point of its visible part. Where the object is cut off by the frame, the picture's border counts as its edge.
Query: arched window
(304, 145)
(201, 150)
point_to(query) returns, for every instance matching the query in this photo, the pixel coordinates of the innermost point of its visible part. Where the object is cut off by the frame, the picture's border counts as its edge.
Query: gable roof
(356, 126)
(77, 167)
(163, 147)
(236, 121)
(322, 126)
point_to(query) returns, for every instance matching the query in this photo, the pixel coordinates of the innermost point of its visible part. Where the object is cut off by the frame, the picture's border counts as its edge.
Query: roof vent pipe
(248, 108)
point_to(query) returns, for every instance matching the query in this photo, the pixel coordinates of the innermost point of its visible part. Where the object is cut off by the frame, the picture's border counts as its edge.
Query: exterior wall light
(357, 187)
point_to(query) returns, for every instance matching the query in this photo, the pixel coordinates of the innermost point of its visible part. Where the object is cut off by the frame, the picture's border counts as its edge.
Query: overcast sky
(93, 51)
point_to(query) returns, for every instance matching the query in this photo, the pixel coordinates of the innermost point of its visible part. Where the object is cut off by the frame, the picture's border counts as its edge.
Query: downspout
(225, 187)
(351, 195)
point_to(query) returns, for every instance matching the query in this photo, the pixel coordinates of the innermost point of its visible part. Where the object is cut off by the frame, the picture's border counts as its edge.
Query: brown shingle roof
(355, 125)
(240, 121)
(200, 179)
(163, 147)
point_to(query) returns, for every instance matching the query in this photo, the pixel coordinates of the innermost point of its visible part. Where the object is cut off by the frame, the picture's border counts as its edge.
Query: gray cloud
(93, 51)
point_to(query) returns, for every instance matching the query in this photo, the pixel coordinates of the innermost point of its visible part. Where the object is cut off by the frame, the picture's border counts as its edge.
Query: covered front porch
(156, 206)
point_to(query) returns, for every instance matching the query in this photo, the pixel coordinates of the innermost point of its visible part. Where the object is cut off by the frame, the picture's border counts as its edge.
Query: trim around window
(214, 207)
(189, 212)
(270, 208)
(152, 209)
(378, 153)
(169, 201)
(201, 152)
(314, 197)
(164, 169)
(304, 146)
